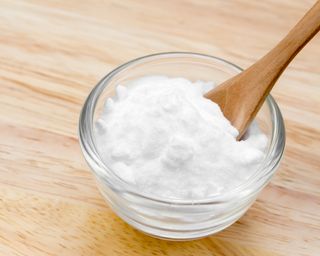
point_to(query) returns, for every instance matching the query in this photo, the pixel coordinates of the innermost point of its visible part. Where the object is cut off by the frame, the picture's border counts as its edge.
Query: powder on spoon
(163, 136)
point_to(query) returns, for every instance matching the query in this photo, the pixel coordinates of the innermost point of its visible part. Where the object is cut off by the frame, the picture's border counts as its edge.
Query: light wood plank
(53, 52)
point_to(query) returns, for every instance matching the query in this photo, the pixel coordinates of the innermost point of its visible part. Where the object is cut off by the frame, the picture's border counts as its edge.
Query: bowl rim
(90, 152)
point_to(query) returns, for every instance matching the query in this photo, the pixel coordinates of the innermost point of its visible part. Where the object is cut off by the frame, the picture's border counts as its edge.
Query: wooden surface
(53, 52)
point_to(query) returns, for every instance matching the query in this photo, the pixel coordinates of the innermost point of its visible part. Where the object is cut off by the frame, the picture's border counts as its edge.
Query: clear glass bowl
(172, 218)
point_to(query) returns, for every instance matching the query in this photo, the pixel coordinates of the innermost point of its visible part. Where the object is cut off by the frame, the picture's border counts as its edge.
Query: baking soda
(161, 135)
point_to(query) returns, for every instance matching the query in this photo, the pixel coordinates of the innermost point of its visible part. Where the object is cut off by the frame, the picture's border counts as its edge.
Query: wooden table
(53, 52)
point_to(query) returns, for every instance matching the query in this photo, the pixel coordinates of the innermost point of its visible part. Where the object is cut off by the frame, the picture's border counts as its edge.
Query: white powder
(163, 136)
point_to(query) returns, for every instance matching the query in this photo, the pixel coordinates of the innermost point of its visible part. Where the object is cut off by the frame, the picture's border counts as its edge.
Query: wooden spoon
(241, 97)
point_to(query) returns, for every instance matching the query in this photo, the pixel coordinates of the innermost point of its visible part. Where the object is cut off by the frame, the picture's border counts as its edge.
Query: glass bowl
(177, 219)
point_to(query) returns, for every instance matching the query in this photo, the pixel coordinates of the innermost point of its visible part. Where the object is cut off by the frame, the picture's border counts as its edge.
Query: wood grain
(52, 52)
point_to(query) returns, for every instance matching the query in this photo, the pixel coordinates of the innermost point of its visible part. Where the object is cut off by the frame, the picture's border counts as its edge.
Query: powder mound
(163, 136)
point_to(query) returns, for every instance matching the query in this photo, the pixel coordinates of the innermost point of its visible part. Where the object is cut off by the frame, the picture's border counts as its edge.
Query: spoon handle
(280, 56)
(241, 97)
